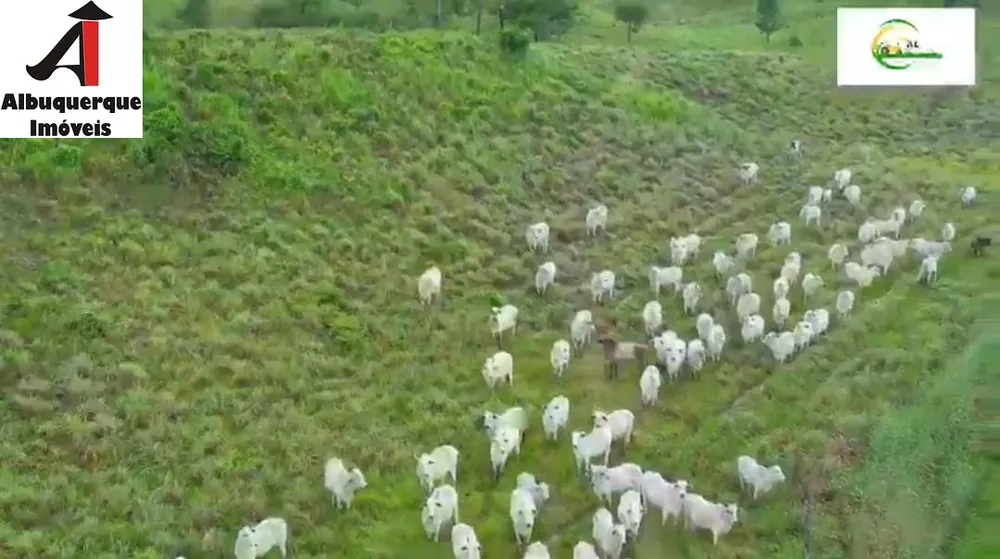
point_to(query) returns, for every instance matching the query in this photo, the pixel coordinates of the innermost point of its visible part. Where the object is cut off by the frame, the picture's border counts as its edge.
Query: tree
(197, 13)
(633, 14)
(544, 18)
(768, 18)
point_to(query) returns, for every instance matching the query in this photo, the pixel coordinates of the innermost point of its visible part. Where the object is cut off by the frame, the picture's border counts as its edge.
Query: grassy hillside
(194, 322)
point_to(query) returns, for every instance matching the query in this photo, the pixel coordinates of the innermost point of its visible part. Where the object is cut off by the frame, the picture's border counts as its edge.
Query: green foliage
(197, 13)
(795, 42)
(768, 17)
(315, 13)
(545, 18)
(515, 41)
(633, 14)
(162, 14)
(960, 3)
(917, 478)
(378, 15)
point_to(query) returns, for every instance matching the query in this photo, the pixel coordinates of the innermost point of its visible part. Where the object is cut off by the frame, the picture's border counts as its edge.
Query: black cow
(979, 244)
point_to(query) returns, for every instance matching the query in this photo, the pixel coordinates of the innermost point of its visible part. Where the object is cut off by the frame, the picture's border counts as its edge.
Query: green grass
(917, 479)
(978, 537)
(194, 326)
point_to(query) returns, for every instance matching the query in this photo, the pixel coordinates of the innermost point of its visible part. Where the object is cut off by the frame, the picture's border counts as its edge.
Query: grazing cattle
(979, 244)
(616, 352)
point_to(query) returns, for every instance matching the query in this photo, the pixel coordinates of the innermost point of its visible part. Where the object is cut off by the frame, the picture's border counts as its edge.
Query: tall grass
(915, 486)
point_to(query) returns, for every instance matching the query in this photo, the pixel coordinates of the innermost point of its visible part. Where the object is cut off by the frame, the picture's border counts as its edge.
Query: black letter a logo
(87, 33)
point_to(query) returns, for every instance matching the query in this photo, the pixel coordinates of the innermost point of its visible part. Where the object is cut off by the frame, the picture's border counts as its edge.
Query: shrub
(515, 41)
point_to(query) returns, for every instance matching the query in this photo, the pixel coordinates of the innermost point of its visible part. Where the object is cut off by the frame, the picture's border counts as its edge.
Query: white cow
(716, 342)
(341, 482)
(842, 178)
(928, 270)
(630, 512)
(837, 254)
(649, 385)
(503, 319)
(439, 509)
(597, 219)
(560, 356)
(537, 236)
(723, 263)
(760, 479)
(602, 284)
(748, 172)
(582, 328)
(853, 195)
(429, 285)
(746, 247)
(621, 422)
(696, 356)
(668, 496)
(811, 214)
(652, 317)
(498, 368)
(780, 233)
(256, 541)
(440, 463)
(539, 490)
(555, 417)
(968, 195)
(523, 511)
(544, 277)
(948, 232)
(587, 446)
(537, 550)
(705, 515)
(610, 537)
(464, 542)
(585, 550)
(781, 310)
(659, 277)
(845, 302)
(504, 442)
(753, 328)
(691, 295)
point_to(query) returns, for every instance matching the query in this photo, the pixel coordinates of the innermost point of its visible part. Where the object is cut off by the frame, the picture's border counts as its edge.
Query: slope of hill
(193, 323)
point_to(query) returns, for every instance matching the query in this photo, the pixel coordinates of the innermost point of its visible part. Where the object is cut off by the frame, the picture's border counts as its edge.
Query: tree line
(543, 18)
(520, 21)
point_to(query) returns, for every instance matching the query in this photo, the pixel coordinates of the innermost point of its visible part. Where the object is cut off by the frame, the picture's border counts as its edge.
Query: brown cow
(615, 352)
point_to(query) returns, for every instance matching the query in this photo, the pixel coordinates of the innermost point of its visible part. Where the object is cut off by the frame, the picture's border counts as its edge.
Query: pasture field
(194, 322)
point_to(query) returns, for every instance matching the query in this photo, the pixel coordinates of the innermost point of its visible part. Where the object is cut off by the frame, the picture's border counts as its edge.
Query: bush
(795, 42)
(515, 41)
